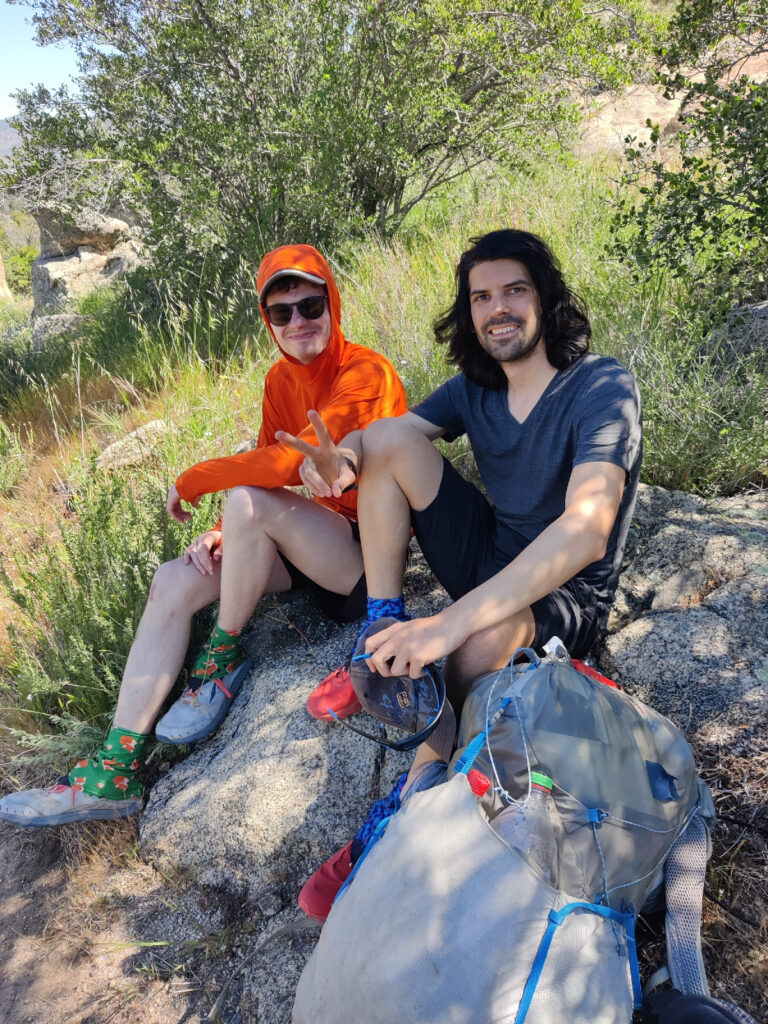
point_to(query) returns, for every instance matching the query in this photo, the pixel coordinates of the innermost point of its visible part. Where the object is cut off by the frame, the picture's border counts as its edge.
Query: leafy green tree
(227, 125)
(703, 208)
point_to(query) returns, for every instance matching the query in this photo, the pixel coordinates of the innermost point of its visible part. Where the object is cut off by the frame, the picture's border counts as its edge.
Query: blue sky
(22, 62)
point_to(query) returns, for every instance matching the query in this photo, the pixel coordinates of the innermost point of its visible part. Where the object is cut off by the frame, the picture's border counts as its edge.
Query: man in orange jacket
(259, 546)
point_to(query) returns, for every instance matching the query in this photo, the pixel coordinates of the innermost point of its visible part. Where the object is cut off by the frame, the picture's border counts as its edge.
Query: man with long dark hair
(556, 435)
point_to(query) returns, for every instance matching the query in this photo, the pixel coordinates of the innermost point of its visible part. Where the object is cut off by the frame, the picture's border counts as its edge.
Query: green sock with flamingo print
(223, 653)
(114, 772)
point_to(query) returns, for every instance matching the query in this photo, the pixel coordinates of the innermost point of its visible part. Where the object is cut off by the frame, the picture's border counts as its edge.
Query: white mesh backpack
(442, 922)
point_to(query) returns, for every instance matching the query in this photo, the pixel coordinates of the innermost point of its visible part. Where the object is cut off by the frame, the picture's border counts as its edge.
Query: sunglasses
(280, 313)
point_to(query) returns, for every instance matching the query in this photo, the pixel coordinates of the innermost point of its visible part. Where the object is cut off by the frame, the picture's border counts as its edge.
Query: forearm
(561, 551)
(276, 465)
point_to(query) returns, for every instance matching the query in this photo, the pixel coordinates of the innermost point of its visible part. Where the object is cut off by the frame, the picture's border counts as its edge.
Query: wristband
(353, 467)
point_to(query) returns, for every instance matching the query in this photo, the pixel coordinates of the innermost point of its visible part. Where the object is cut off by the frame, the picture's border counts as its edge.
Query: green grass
(12, 460)
(704, 413)
(199, 363)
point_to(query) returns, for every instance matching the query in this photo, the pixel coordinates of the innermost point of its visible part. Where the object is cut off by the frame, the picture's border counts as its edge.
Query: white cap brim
(289, 272)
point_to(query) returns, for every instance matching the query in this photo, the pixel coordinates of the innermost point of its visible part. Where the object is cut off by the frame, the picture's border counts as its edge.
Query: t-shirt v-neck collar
(521, 423)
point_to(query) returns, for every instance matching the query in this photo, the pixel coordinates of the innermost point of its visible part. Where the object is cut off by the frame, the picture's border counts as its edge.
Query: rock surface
(135, 448)
(613, 117)
(252, 811)
(744, 331)
(689, 629)
(259, 805)
(78, 256)
(59, 325)
(60, 235)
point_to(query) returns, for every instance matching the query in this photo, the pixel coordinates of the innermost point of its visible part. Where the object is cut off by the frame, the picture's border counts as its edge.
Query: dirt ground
(76, 904)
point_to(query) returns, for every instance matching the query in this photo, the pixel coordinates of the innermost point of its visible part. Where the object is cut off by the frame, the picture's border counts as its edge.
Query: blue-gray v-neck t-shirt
(589, 412)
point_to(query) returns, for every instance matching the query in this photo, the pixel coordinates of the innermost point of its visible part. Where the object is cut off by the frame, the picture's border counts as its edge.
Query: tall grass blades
(705, 411)
(137, 330)
(13, 464)
(705, 421)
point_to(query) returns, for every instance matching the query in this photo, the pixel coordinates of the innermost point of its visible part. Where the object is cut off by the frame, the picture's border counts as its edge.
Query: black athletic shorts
(339, 607)
(458, 536)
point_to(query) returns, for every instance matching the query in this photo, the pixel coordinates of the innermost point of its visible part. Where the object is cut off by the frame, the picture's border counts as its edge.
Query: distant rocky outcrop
(613, 116)
(77, 256)
(252, 811)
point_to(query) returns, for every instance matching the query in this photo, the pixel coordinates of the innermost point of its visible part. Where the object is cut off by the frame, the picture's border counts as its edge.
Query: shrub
(699, 208)
(18, 269)
(81, 594)
(308, 127)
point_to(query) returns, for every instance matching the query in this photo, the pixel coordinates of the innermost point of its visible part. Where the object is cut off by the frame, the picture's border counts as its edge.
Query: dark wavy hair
(564, 320)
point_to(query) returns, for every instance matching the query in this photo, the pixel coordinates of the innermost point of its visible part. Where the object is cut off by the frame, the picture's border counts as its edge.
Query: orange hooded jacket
(349, 385)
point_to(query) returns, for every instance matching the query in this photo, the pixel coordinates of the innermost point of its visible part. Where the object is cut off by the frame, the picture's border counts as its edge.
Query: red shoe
(320, 889)
(336, 693)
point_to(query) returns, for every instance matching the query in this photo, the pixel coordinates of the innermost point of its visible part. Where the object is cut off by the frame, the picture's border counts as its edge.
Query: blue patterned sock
(381, 607)
(380, 810)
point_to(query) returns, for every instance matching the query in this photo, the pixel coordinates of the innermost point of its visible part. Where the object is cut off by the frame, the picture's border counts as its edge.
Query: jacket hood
(306, 260)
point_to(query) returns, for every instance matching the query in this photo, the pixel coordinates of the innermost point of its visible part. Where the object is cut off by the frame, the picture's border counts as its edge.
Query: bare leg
(161, 641)
(160, 645)
(315, 539)
(438, 747)
(402, 470)
(257, 524)
(485, 651)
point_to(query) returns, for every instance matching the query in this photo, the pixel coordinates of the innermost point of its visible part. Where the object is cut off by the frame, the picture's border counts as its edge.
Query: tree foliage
(704, 208)
(229, 125)
(18, 232)
(18, 268)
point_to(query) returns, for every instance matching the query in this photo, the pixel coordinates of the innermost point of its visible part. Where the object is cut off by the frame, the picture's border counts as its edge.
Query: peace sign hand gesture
(326, 470)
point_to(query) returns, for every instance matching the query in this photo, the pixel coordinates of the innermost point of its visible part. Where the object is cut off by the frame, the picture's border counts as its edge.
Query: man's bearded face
(505, 307)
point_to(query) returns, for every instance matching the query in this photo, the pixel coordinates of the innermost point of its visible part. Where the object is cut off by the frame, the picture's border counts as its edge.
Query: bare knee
(176, 587)
(249, 508)
(487, 651)
(386, 438)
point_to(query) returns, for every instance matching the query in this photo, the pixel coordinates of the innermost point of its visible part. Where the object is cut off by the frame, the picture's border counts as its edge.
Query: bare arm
(574, 540)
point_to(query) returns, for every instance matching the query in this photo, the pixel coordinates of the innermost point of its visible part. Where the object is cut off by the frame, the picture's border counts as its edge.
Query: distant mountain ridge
(9, 138)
